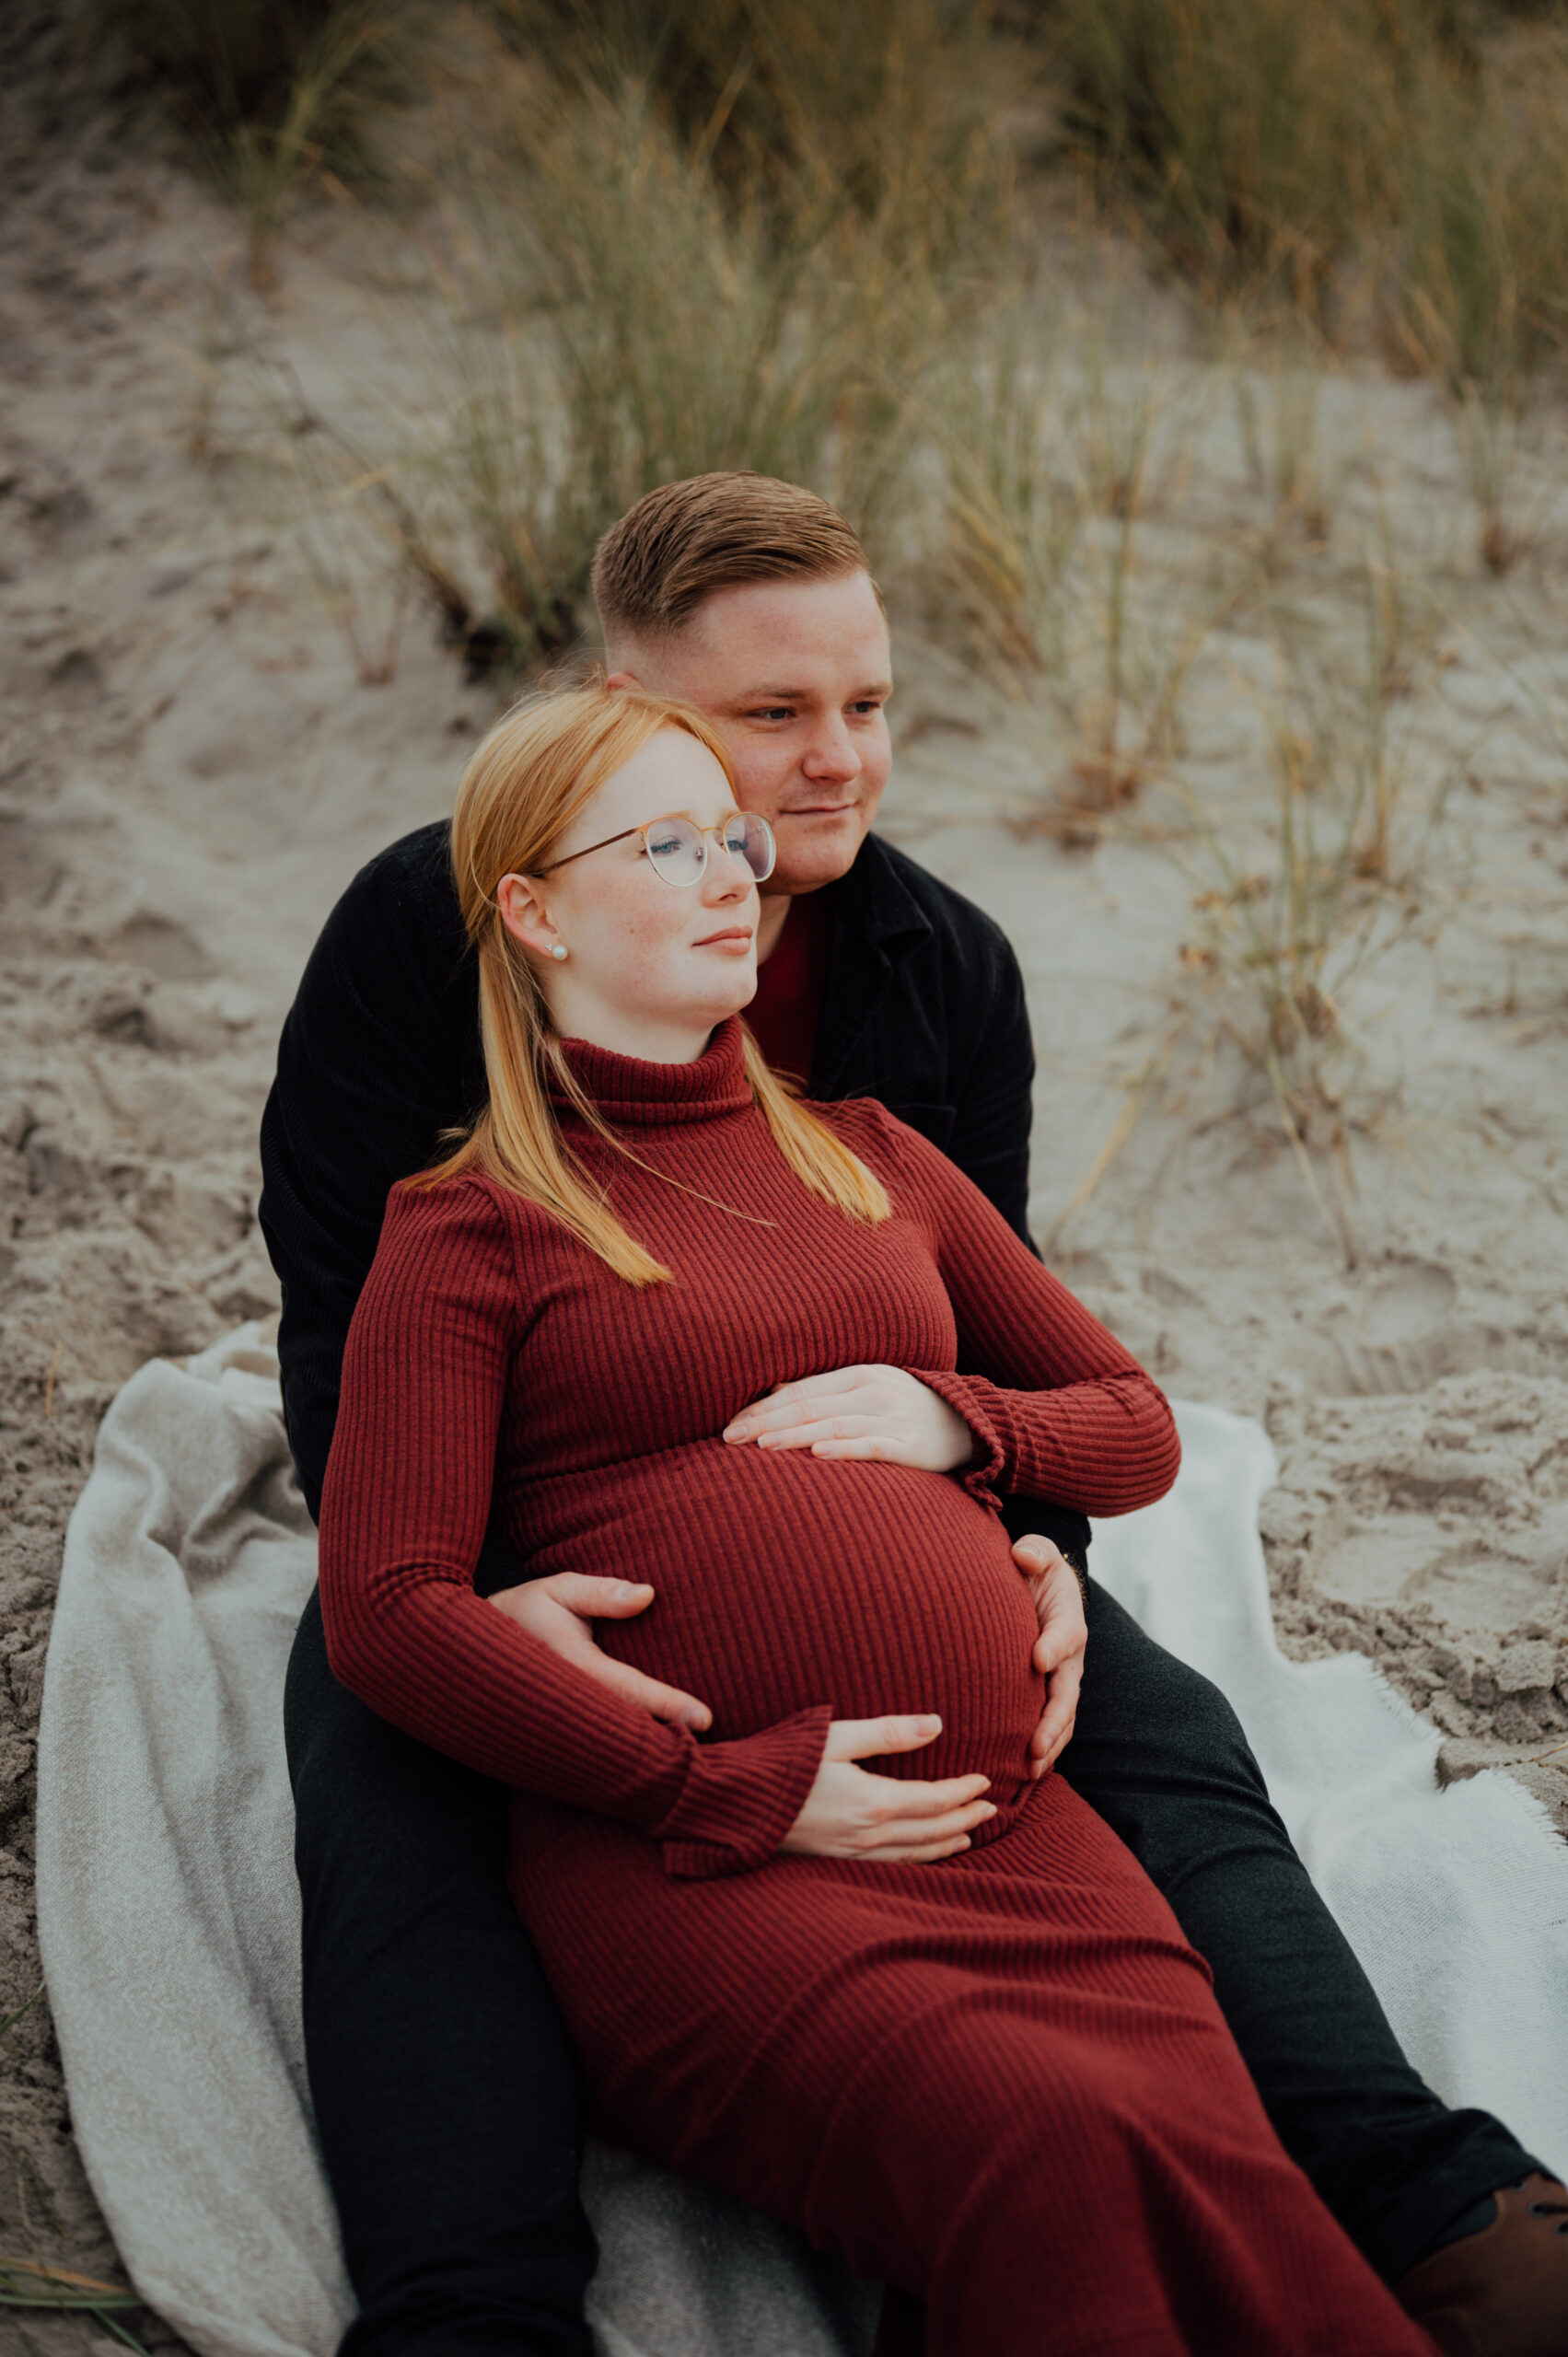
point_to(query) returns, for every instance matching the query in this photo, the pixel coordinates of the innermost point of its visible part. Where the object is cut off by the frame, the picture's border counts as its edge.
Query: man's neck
(771, 922)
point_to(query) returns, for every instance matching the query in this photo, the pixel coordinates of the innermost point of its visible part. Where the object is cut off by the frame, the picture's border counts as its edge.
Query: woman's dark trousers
(447, 2098)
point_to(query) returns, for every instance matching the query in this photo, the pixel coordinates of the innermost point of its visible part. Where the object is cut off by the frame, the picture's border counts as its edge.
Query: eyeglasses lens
(751, 839)
(676, 847)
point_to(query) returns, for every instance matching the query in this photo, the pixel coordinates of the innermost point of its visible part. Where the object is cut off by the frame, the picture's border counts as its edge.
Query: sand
(191, 769)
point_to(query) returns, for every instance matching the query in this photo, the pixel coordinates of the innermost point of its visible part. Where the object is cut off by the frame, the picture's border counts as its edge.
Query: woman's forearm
(449, 1670)
(404, 1509)
(1060, 1408)
(1104, 1444)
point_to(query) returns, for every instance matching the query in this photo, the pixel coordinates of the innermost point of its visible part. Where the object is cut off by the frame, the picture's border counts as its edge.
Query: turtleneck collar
(630, 1092)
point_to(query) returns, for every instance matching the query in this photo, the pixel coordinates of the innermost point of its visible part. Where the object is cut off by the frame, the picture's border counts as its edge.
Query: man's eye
(774, 711)
(868, 704)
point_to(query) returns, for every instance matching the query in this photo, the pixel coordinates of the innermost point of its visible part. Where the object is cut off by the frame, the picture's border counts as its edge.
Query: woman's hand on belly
(850, 1813)
(868, 1412)
(560, 1611)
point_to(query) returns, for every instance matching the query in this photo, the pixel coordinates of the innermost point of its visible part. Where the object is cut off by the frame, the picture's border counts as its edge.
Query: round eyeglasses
(678, 847)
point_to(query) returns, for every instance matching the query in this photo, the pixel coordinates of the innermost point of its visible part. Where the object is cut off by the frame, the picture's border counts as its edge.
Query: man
(444, 2094)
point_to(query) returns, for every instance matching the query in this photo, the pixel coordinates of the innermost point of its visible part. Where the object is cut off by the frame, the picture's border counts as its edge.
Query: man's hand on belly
(1059, 1649)
(560, 1611)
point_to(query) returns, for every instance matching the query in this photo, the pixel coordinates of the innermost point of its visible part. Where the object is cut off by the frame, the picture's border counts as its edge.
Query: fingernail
(930, 1725)
(988, 1808)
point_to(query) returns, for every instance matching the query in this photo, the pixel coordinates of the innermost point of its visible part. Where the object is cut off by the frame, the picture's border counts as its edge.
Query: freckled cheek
(638, 947)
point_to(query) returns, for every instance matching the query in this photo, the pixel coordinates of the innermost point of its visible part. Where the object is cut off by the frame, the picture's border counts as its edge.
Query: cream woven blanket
(168, 1910)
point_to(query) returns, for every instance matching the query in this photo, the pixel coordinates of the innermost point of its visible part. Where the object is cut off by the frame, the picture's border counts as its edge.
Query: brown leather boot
(1501, 2292)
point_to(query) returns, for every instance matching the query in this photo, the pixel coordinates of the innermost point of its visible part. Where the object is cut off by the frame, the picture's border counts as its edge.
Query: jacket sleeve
(371, 1068)
(403, 1514)
(1058, 1408)
(990, 1141)
(990, 1144)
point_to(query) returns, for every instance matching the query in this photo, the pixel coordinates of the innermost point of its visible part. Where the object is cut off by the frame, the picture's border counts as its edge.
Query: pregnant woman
(711, 1341)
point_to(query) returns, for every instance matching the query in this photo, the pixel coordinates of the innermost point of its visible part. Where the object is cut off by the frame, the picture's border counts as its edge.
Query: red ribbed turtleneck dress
(1000, 2081)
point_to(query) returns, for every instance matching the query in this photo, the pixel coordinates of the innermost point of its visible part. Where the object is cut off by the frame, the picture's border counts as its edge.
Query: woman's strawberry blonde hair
(529, 778)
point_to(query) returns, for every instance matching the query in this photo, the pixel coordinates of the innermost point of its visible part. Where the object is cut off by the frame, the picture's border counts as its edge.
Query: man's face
(796, 676)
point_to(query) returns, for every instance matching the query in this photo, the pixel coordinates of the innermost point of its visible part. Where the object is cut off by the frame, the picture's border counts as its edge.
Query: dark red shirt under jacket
(783, 1016)
(789, 1590)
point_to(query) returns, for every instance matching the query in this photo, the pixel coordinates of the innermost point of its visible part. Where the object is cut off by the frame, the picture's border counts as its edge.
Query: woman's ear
(526, 916)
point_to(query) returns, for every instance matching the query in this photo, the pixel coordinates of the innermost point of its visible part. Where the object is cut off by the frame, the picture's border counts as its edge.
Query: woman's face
(650, 966)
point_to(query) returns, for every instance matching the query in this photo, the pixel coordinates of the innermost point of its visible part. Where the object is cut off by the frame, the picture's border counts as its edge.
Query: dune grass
(1482, 207)
(1401, 167)
(714, 235)
(1291, 916)
(29, 2286)
(880, 102)
(1250, 134)
(274, 92)
(27, 2283)
(1397, 169)
(655, 240)
(602, 314)
(1058, 453)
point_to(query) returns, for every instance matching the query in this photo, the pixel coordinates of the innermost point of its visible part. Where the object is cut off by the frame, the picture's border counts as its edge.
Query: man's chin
(817, 849)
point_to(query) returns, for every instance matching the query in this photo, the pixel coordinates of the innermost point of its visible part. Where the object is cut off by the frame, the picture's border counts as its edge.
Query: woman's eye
(665, 844)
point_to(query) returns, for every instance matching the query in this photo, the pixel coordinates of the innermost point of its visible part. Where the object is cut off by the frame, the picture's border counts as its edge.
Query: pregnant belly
(782, 1581)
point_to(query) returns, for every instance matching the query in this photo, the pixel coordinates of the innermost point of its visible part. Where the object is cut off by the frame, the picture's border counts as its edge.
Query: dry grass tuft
(1279, 411)
(32, 2284)
(657, 240)
(1289, 923)
(1250, 133)
(1481, 216)
(1057, 456)
(276, 93)
(603, 314)
(1404, 163)
(885, 103)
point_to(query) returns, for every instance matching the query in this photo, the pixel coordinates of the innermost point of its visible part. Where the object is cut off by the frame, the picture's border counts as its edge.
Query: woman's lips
(734, 939)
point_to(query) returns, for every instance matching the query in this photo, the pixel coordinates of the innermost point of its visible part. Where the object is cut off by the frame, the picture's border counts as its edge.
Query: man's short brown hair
(679, 543)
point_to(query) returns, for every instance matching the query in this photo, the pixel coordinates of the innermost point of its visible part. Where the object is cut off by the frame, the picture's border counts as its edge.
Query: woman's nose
(727, 876)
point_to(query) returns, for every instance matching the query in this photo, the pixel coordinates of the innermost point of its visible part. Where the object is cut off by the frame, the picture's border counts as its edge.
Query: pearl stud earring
(559, 950)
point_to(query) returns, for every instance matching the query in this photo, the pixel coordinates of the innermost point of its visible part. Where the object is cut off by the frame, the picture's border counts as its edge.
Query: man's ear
(626, 663)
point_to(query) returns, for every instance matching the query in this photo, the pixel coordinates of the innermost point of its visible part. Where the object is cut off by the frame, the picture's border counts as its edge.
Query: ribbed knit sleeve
(1057, 1407)
(404, 1507)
